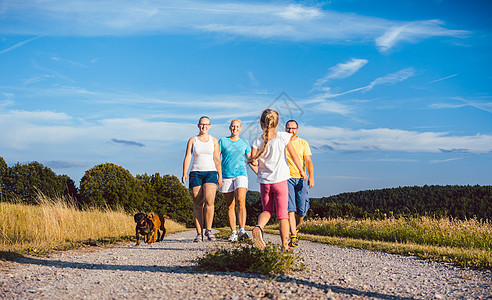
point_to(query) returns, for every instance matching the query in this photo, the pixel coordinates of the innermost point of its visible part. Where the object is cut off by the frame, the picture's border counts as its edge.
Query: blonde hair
(268, 120)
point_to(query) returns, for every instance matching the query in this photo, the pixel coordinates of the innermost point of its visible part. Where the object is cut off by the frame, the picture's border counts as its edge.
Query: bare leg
(299, 219)
(292, 222)
(241, 202)
(263, 219)
(198, 205)
(209, 190)
(231, 209)
(284, 232)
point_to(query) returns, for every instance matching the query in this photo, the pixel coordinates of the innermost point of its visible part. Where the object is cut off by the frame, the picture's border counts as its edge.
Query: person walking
(235, 151)
(298, 189)
(205, 176)
(268, 152)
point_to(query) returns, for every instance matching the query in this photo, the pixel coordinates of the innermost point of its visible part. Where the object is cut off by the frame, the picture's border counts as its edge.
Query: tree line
(110, 185)
(454, 201)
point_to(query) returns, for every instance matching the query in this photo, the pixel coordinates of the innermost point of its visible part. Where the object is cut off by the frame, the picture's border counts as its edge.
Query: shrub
(245, 258)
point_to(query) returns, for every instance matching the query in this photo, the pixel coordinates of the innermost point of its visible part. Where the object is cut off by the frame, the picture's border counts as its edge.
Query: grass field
(465, 243)
(58, 225)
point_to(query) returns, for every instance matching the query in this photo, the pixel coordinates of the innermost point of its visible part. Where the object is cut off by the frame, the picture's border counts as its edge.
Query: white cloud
(389, 79)
(414, 31)
(275, 20)
(462, 102)
(436, 161)
(441, 79)
(341, 71)
(386, 139)
(300, 13)
(20, 44)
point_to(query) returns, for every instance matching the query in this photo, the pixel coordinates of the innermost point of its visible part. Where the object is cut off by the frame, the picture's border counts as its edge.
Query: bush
(245, 258)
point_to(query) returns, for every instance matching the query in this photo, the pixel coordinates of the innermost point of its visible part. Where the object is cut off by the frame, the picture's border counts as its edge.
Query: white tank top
(203, 155)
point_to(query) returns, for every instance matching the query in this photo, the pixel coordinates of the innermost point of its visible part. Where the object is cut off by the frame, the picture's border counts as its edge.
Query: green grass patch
(242, 257)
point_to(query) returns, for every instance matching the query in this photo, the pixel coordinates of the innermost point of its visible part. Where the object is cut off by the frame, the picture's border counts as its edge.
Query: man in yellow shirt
(298, 189)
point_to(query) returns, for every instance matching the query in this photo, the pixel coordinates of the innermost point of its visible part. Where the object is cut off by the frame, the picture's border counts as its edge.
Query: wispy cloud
(20, 44)
(274, 20)
(437, 161)
(389, 79)
(460, 102)
(441, 79)
(341, 71)
(386, 139)
(414, 31)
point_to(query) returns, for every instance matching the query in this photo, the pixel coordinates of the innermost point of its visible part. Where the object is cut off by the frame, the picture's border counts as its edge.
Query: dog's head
(144, 223)
(139, 217)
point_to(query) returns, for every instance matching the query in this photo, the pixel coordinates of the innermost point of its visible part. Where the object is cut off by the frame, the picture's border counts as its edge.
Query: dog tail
(163, 218)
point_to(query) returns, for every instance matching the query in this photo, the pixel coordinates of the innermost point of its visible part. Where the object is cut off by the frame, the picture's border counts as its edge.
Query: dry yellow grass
(56, 224)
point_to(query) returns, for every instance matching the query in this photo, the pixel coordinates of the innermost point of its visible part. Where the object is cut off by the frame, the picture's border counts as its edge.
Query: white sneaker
(233, 237)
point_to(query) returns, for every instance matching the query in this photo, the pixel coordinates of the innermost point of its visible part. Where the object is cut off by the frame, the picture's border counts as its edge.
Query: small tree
(110, 185)
(166, 195)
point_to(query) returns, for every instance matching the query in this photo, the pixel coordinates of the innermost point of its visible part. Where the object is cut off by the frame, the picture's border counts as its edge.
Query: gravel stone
(167, 270)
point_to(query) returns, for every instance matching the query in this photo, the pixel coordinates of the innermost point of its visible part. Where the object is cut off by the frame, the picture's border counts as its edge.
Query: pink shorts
(278, 194)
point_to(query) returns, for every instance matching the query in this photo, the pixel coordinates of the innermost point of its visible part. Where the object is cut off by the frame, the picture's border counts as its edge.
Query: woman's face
(235, 128)
(204, 125)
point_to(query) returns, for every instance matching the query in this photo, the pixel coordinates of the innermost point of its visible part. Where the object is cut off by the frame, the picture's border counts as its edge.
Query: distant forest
(460, 202)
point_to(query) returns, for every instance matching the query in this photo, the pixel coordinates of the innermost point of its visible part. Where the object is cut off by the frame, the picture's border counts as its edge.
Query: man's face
(291, 127)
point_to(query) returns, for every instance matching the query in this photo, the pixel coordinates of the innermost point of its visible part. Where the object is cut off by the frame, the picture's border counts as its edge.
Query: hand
(183, 179)
(254, 162)
(310, 182)
(219, 182)
(304, 175)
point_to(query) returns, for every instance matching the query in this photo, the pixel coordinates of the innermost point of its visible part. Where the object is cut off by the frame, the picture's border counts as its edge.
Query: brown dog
(145, 227)
(159, 228)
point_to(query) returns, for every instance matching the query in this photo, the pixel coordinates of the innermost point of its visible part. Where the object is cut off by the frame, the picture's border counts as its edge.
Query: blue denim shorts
(198, 178)
(298, 196)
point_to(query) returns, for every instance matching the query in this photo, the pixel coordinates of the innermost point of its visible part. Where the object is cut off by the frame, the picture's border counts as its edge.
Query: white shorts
(231, 184)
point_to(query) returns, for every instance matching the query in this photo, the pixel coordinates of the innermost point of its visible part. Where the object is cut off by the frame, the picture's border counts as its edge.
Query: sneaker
(210, 235)
(294, 241)
(258, 241)
(233, 237)
(198, 238)
(243, 237)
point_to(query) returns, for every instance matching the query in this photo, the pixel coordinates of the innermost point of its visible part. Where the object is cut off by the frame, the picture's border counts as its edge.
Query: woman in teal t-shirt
(234, 152)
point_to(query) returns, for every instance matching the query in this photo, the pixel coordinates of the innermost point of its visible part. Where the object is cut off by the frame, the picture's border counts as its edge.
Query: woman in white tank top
(205, 175)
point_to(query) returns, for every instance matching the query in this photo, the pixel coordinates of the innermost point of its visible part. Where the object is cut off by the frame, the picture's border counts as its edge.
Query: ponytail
(268, 120)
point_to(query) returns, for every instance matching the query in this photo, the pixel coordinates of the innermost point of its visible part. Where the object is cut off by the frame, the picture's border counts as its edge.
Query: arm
(217, 161)
(187, 160)
(310, 169)
(254, 168)
(296, 160)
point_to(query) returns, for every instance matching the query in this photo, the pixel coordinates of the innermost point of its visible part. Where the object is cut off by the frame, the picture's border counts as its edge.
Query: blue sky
(388, 93)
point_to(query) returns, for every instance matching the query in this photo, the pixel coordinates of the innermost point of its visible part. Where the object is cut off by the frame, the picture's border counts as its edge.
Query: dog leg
(137, 236)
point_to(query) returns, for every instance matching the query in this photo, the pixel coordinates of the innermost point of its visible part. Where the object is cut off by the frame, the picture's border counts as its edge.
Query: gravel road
(166, 270)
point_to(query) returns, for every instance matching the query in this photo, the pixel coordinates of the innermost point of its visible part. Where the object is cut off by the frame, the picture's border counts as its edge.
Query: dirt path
(167, 270)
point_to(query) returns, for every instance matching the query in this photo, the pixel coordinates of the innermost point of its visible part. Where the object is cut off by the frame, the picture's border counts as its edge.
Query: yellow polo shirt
(302, 149)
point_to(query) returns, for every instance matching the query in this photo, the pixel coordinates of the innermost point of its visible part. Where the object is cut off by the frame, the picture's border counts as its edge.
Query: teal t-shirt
(234, 157)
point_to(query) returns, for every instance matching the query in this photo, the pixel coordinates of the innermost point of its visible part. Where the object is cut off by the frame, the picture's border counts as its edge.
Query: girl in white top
(205, 175)
(268, 153)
